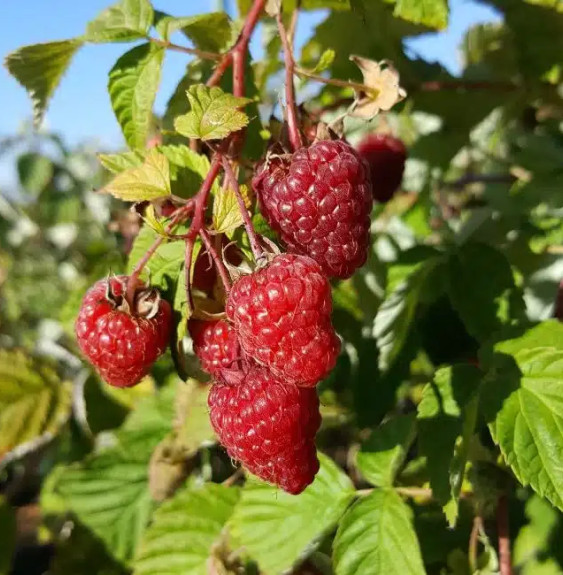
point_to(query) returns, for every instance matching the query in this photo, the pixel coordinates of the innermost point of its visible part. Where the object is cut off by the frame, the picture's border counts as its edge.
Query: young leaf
(184, 531)
(133, 83)
(34, 403)
(265, 516)
(117, 163)
(207, 31)
(39, 69)
(214, 114)
(376, 536)
(123, 22)
(148, 182)
(433, 13)
(383, 453)
(226, 211)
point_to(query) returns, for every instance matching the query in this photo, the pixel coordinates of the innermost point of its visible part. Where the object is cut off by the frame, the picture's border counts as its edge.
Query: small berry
(215, 344)
(386, 157)
(122, 344)
(269, 427)
(281, 313)
(319, 200)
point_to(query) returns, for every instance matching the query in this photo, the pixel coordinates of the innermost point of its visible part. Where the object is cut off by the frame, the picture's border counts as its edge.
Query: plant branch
(474, 542)
(333, 81)
(188, 257)
(219, 265)
(292, 122)
(203, 54)
(503, 536)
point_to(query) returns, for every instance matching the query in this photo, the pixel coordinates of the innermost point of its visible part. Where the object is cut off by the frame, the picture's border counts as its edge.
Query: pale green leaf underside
(376, 537)
(207, 31)
(227, 216)
(39, 69)
(124, 21)
(276, 528)
(117, 163)
(183, 531)
(433, 13)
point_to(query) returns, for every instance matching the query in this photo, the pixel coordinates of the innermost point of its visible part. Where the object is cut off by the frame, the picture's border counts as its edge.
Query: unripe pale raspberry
(319, 200)
(269, 427)
(281, 313)
(122, 344)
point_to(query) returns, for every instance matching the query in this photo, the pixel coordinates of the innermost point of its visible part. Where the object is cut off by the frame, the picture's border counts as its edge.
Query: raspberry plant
(338, 319)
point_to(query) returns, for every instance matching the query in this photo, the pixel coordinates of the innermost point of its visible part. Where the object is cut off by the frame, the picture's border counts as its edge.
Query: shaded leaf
(7, 536)
(210, 31)
(35, 172)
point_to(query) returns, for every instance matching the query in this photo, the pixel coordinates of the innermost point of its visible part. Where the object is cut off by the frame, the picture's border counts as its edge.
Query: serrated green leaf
(7, 536)
(133, 83)
(149, 181)
(433, 13)
(34, 402)
(528, 427)
(35, 172)
(265, 516)
(207, 31)
(39, 69)
(383, 453)
(117, 163)
(226, 212)
(123, 22)
(214, 114)
(184, 530)
(446, 422)
(151, 220)
(376, 537)
(194, 428)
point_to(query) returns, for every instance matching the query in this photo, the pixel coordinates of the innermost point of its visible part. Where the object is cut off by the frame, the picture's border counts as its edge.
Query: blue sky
(80, 109)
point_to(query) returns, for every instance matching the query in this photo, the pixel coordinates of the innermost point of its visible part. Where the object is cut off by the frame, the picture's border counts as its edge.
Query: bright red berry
(281, 313)
(319, 200)
(386, 157)
(121, 343)
(215, 344)
(269, 427)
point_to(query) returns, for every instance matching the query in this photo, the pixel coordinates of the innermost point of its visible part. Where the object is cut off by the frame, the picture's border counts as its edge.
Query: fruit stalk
(219, 265)
(503, 536)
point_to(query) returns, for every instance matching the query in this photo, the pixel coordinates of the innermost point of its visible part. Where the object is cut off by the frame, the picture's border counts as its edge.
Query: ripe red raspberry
(319, 200)
(269, 427)
(215, 344)
(386, 157)
(122, 344)
(282, 316)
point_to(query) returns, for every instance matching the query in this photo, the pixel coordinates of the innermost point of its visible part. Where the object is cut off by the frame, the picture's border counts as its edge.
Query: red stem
(255, 246)
(190, 242)
(292, 122)
(221, 68)
(503, 536)
(221, 269)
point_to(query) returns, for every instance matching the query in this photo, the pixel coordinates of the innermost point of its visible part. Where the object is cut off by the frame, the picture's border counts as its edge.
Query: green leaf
(482, 289)
(214, 114)
(7, 536)
(265, 516)
(123, 22)
(528, 427)
(117, 163)
(226, 212)
(34, 403)
(133, 83)
(35, 172)
(39, 69)
(446, 420)
(207, 31)
(149, 181)
(433, 13)
(325, 61)
(383, 453)
(184, 530)
(376, 537)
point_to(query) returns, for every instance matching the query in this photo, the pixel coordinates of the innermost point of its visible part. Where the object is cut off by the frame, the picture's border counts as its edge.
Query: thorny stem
(220, 266)
(503, 536)
(204, 55)
(293, 124)
(252, 235)
(474, 542)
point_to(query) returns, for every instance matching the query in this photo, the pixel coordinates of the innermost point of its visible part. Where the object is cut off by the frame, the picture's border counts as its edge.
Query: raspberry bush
(321, 337)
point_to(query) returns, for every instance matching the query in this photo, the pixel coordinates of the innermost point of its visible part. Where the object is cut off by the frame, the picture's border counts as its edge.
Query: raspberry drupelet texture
(386, 157)
(215, 344)
(281, 313)
(319, 200)
(269, 427)
(121, 344)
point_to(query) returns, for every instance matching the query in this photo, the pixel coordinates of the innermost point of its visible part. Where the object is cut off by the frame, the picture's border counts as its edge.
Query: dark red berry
(122, 343)
(386, 157)
(319, 200)
(215, 344)
(282, 316)
(269, 427)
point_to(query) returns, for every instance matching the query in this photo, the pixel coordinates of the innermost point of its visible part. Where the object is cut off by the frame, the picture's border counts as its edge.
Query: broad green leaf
(383, 453)
(149, 181)
(7, 536)
(123, 22)
(266, 516)
(433, 13)
(376, 537)
(142, 243)
(184, 531)
(39, 69)
(226, 211)
(35, 172)
(117, 163)
(34, 402)
(181, 294)
(133, 83)
(207, 31)
(528, 427)
(446, 421)
(213, 115)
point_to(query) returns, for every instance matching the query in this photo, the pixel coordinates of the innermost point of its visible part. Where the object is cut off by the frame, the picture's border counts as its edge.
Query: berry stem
(474, 542)
(204, 55)
(221, 269)
(292, 122)
(333, 81)
(503, 536)
(188, 257)
(255, 246)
